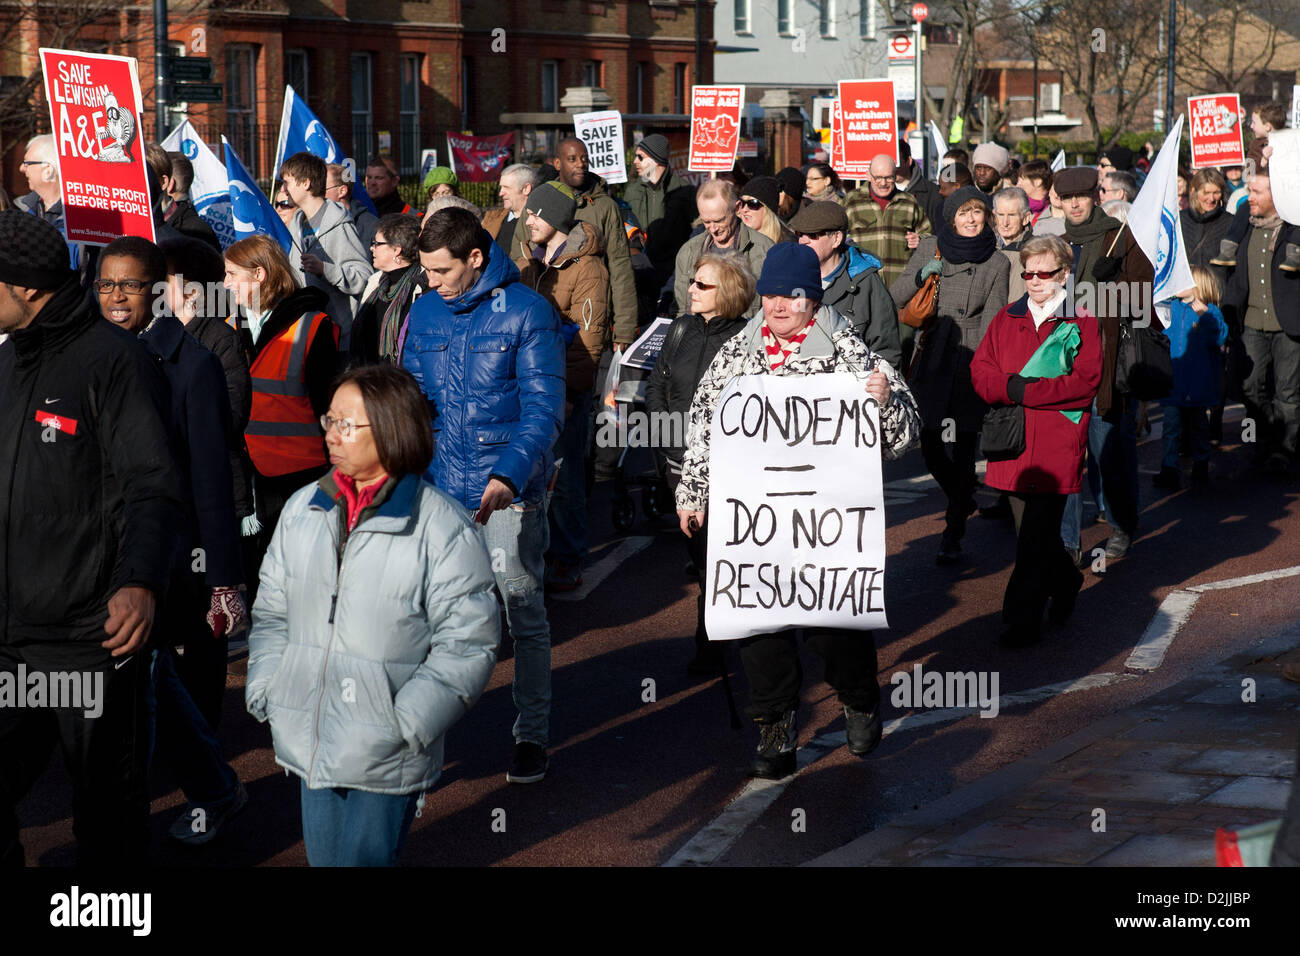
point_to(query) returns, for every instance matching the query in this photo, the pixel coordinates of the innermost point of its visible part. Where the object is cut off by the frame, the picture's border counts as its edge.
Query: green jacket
(596, 207)
(883, 232)
(751, 244)
(664, 211)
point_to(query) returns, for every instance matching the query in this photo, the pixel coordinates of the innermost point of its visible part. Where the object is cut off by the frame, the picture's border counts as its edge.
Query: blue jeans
(567, 511)
(1113, 460)
(342, 827)
(516, 538)
(1171, 433)
(185, 740)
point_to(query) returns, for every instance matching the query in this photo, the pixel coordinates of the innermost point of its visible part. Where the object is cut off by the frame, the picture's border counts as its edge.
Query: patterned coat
(883, 232)
(970, 295)
(831, 346)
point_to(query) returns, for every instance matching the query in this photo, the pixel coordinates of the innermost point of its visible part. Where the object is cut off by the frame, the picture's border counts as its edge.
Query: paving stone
(1244, 725)
(1140, 756)
(1268, 687)
(1154, 786)
(1161, 850)
(1265, 793)
(1076, 845)
(1261, 762)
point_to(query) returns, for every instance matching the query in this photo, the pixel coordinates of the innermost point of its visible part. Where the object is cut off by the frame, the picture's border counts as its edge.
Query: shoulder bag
(923, 306)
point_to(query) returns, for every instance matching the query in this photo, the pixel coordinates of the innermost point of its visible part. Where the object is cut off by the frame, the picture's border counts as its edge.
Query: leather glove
(1016, 388)
(1107, 268)
(227, 613)
(932, 268)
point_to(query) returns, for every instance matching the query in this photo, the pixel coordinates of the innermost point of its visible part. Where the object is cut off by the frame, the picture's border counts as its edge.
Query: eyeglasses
(377, 242)
(754, 204)
(129, 286)
(882, 179)
(285, 204)
(35, 162)
(818, 234)
(346, 426)
(703, 286)
(1040, 275)
(1104, 164)
(816, 179)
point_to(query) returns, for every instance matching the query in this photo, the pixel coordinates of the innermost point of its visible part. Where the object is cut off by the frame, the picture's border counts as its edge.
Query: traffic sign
(902, 47)
(190, 69)
(920, 11)
(197, 92)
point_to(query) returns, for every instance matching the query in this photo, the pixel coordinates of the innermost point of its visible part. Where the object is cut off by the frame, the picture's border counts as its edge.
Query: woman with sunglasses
(759, 200)
(376, 625)
(293, 354)
(379, 330)
(284, 206)
(1056, 392)
(720, 295)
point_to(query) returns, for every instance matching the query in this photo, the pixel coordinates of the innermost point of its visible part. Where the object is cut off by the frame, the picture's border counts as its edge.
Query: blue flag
(250, 211)
(302, 132)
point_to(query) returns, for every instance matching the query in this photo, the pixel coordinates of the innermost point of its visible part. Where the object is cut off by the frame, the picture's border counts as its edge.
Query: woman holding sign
(795, 334)
(1042, 359)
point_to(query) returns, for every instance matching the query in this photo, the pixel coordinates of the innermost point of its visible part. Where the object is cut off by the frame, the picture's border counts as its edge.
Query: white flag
(210, 190)
(1155, 223)
(940, 146)
(1058, 161)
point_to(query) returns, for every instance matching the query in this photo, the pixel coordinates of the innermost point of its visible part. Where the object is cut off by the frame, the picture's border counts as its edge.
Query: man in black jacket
(89, 513)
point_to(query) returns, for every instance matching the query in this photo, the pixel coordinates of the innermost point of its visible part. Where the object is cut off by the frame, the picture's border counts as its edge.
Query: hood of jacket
(859, 262)
(67, 314)
(584, 240)
(591, 187)
(333, 215)
(498, 272)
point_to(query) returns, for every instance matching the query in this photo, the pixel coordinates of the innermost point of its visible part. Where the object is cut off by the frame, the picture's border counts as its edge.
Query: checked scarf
(776, 354)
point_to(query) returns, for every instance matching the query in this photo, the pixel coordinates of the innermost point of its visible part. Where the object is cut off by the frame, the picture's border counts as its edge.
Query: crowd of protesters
(369, 452)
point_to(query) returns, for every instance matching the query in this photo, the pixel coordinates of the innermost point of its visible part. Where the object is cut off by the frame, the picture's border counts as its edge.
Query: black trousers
(271, 494)
(955, 474)
(771, 663)
(697, 551)
(1043, 568)
(106, 755)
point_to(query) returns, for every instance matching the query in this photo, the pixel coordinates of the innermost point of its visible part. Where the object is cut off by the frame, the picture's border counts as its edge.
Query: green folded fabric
(1056, 357)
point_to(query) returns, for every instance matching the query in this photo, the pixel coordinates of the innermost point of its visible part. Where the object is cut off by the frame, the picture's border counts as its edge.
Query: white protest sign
(796, 507)
(602, 133)
(1295, 106)
(644, 352)
(210, 187)
(1284, 173)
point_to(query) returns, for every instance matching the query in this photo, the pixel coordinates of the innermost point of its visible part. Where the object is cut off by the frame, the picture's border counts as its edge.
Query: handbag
(923, 306)
(1143, 367)
(1002, 436)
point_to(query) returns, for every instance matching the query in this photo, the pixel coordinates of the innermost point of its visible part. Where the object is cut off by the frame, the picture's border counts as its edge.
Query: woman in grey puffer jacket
(375, 627)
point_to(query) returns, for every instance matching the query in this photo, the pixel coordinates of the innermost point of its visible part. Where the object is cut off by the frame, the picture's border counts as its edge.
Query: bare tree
(1226, 44)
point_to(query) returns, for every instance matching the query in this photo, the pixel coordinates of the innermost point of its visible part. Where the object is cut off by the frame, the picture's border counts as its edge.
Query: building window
(408, 123)
(363, 129)
(826, 17)
(742, 17)
(590, 73)
(241, 102)
(679, 88)
(466, 92)
(550, 86)
(867, 19)
(638, 89)
(295, 71)
(1049, 97)
(785, 17)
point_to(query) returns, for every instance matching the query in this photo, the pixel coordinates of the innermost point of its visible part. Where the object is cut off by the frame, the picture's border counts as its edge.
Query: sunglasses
(1039, 275)
(285, 204)
(819, 233)
(703, 286)
(754, 204)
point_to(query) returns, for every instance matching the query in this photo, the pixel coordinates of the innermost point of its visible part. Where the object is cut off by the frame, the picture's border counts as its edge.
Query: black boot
(863, 729)
(775, 757)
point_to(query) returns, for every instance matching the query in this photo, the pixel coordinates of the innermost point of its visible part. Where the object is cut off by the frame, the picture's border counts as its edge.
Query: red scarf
(357, 501)
(776, 353)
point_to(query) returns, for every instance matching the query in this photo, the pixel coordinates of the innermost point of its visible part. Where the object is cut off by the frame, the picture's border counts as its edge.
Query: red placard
(95, 115)
(1215, 125)
(869, 120)
(715, 127)
(837, 138)
(480, 159)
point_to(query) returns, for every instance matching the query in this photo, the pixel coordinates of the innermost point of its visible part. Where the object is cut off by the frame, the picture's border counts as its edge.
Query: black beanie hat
(792, 182)
(33, 253)
(656, 147)
(1121, 157)
(960, 198)
(766, 190)
(552, 207)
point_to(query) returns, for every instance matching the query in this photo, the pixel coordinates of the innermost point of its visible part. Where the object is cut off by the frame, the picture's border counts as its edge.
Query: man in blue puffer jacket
(488, 354)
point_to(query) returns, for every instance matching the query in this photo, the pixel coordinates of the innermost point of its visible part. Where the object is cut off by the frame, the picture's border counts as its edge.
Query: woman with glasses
(284, 206)
(376, 625)
(293, 354)
(759, 201)
(1043, 354)
(822, 184)
(379, 330)
(720, 295)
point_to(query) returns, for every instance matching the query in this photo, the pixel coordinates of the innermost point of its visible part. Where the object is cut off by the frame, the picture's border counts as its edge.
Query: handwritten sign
(95, 111)
(1215, 127)
(869, 120)
(715, 127)
(644, 352)
(796, 507)
(602, 132)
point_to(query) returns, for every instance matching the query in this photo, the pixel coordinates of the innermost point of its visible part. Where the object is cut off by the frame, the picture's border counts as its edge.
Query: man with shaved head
(888, 223)
(598, 208)
(719, 209)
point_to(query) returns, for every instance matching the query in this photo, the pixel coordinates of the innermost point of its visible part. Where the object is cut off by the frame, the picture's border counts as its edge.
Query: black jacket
(322, 352)
(678, 371)
(1202, 233)
(1286, 285)
(201, 437)
(222, 341)
(186, 220)
(90, 500)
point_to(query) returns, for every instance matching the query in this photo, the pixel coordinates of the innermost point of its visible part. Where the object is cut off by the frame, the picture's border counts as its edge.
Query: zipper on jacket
(324, 669)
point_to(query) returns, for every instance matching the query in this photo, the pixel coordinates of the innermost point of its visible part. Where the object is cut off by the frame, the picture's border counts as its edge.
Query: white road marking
(595, 575)
(1169, 619)
(1246, 579)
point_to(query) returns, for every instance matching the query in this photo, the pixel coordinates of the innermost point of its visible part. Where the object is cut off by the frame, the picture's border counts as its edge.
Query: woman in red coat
(1050, 467)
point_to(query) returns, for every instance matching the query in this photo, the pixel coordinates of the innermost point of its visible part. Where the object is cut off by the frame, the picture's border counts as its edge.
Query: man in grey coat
(719, 208)
(327, 252)
(339, 190)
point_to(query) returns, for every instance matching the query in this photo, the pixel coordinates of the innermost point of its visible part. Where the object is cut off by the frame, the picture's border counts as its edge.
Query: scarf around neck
(777, 354)
(1088, 236)
(957, 249)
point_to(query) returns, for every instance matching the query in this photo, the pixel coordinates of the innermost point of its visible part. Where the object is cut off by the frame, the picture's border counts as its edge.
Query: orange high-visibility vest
(283, 433)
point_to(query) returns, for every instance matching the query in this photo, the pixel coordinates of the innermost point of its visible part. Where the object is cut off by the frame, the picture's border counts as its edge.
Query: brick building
(389, 75)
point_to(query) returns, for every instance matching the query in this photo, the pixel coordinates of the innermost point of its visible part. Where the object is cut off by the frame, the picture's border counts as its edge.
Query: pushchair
(639, 468)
